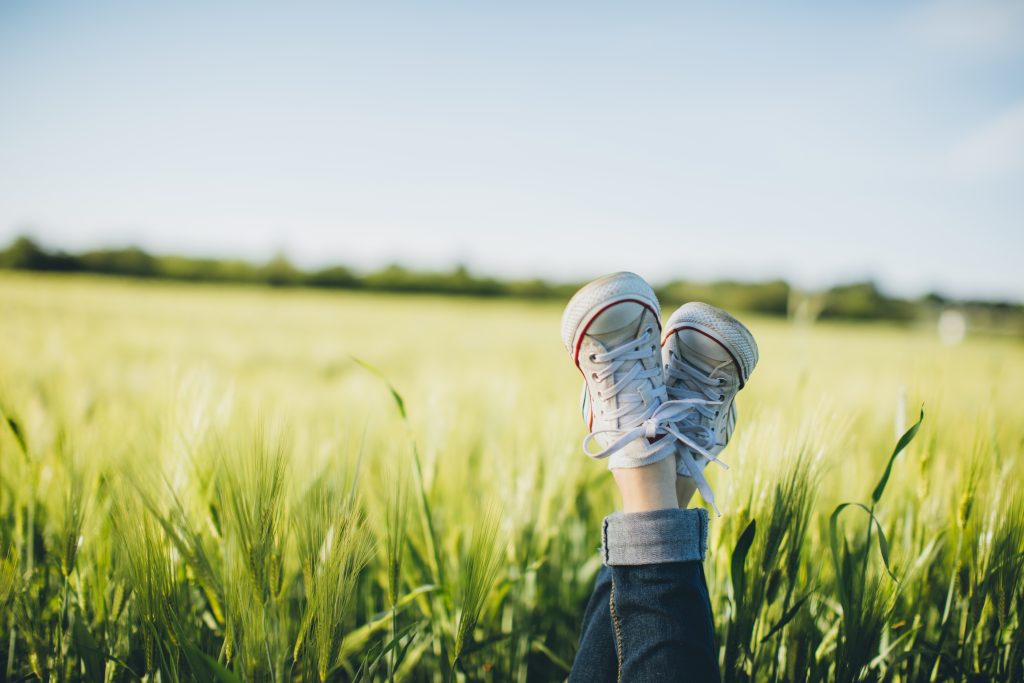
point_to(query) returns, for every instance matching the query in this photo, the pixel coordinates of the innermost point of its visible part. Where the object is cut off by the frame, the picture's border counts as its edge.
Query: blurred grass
(185, 446)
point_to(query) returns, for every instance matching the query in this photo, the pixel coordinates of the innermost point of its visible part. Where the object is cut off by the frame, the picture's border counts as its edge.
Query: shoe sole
(721, 328)
(596, 297)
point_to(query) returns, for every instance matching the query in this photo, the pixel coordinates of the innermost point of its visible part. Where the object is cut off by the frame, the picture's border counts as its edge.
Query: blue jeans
(649, 617)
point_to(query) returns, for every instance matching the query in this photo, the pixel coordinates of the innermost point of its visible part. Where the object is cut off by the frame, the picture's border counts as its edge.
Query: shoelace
(647, 415)
(702, 397)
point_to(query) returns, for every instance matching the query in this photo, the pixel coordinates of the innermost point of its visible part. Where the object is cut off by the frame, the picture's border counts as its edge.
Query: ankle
(647, 488)
(685, 488)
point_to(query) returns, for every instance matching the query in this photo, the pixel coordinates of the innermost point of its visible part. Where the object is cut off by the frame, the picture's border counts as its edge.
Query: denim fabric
(655, 537)
(652, 621)
(596, 661)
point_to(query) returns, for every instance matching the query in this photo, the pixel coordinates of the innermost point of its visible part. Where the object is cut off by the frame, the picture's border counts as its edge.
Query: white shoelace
(703, 439)
(649, 414)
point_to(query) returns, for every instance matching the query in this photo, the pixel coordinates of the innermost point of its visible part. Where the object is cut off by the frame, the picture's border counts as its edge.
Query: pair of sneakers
(648, 395)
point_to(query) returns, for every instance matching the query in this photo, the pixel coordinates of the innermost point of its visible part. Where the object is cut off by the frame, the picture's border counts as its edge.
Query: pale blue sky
(812, 141)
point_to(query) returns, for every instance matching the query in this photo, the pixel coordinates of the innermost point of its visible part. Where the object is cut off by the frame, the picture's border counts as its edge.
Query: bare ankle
(650, 487)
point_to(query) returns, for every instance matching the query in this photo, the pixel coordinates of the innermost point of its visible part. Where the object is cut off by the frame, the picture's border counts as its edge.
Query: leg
(649, 617)
(660, 610)
(685, 488)
(642, 488)
(596, 661)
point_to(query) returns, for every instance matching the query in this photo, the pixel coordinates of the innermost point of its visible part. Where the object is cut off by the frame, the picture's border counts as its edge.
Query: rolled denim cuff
(635, 538)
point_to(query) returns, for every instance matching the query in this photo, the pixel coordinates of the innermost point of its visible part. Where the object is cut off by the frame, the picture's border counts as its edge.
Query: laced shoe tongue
(639, 411)
(639, 387)
(632, 330)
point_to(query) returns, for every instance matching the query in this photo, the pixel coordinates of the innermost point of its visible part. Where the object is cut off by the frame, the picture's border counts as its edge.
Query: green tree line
(855, 301)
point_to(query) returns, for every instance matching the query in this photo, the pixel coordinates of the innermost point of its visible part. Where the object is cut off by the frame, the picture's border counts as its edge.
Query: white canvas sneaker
(708, 357)
(611, 327)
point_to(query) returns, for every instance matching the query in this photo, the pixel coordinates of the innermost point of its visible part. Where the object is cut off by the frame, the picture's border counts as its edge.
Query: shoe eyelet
(721, 381)
(593, 375)
(592, 357)
(721, 397)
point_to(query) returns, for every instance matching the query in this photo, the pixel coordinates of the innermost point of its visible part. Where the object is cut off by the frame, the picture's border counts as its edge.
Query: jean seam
(604, 539)
(618, 632)
(702, 520)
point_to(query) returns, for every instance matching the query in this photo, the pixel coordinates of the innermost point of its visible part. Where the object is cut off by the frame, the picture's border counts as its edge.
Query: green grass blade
(399, 401)
(837, 560)
(357, 639)
(904, 441)
(786, 618)
(16, 430)
(883, 544)
(430, 531)
(205, 665)
(739, 558)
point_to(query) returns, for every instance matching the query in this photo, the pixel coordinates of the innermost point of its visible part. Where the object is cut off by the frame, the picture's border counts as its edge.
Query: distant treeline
(857, 301)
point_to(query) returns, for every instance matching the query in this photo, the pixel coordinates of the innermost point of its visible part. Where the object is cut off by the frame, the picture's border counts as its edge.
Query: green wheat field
(221, 483)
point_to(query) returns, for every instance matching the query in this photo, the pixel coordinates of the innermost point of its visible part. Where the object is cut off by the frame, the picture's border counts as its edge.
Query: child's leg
(660, 610)
(649, 617)
(596, 661)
